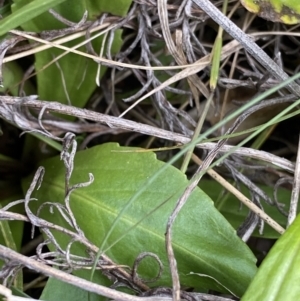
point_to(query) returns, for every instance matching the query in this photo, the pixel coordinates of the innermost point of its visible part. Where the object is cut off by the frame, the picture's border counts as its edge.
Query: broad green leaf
(236, 215)
(19, 293)
(12, 77)
(57, 290)
(30, 10)
(119, 8)
(204, 242)
(278, 277)
(79, 73)
(285, 11)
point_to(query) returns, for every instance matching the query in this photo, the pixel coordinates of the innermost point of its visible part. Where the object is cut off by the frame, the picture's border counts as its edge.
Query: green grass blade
(26, 13)
(216, 54)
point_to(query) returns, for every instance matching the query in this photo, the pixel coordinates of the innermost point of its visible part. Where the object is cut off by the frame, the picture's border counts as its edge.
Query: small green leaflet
(284, 11)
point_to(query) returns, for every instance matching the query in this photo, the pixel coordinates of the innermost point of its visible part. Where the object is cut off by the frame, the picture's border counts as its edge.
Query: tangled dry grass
(160, 80)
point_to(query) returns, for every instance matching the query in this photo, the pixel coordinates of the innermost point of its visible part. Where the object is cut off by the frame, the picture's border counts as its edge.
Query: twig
(296, 189)
(6, 215)
(120, 123)
(249, 45)
(179, 205)
(198, 66)
(242, 198)
(193, 80)
(39, 267)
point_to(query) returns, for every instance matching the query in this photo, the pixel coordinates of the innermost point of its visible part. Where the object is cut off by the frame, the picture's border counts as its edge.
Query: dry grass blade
(179, 205)
(295, 190)
(163, 52)
(39, 267)
(199, 65)
(46, 46)
(193, 80)
(249, 45)
(90, 56)
(120, 123)
(242, 198)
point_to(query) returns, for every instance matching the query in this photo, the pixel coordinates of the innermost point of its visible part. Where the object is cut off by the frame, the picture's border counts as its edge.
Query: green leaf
(119, 8)
(278, 276)
(285, 11)
(204, 242)
(236, 215)
(5, 10)
(12, 77)
(58, 290)
(29, 11)
(78, 73)
(11, 232)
